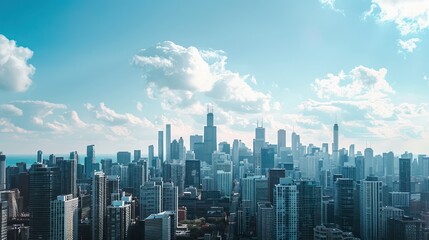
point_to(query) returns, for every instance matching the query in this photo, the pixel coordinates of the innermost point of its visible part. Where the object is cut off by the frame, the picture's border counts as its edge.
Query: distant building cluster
(218, 191)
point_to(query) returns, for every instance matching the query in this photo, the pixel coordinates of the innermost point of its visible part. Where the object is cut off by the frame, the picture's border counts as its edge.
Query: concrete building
(64, 218)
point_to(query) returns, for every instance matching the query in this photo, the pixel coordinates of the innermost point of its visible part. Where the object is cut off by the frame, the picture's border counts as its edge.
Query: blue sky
(109, 73)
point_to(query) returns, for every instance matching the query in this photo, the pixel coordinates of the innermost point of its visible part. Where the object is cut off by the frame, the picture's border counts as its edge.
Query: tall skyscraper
(3, 219)
(137, 176)
(388, 162)
(158, 226)
(68, 175)
(405, 175)
(118, 220)
(174, 150)
(112, 189)
(335, 153)
(64, 217)
(360, 168)
(43, 188)
(150, 156)
(98, 208)
(296, 145)
(235, 158)
(40, 156)
(224, 183)
(137, 155)
(274, 176)
(281, 140)
(371, 201)
(150, 199)
(167, 142)
(210, 138)
(309, 207)
(161, 146)
(286, 210)
(2, 171)
(90, 161)
(182, 150)
(387, 213)
(258, 144)
(344, 204)
(194, 139)
(369, 162)
(267, 160)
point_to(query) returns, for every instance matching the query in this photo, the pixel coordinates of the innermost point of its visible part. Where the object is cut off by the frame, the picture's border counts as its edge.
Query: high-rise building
(344, 203)
(98, 208)
(123, 158)
(3, 219)
(267, 159)
(296, 145)
(235, 156)
(286, 210)
(68, 175)
(224, 147)
(335, 153)
(118, 220)
(388, 162)
(224, 183)
(40, 156)
(182, 150)
(175, 172)
(90, 161)
(169, 197)
(274, 176)
(352, 153)
(281, 140)
(137, 176)
(387, 213)
(150, 156)
(309, 207)
(122, 172)
(369, 162)
(106, 165)
(158, 226)
(137, 155)
(194, 139)
(360, 168)
(405, 175)
(112, 189)
(265, 221)
(174, 150)
(258, 144)
(371, 201)
(192, 173)
(2, 171)
(167, 142)
(161, 146)
(64, 217)
(150, 199)
(43, 188)
(210, 138)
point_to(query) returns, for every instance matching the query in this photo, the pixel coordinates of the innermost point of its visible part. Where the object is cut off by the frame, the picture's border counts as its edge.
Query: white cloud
(10, 109)
(408, 45)
(331, 5)
(410, 16)
(15, 72)
(139, 106)
(181, 76)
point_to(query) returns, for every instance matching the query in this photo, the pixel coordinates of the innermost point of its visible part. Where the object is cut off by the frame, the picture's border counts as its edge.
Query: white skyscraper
(281, 140)
(224, 183)
(98, 205)
(64, 217)
(369, 161)
(335, 152)
(167, 142)
(371, 201)
(286, 210)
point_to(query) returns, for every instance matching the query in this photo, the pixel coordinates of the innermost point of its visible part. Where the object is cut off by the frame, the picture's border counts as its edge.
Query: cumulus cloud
(410, 17)
(139, 106)
(10, 109)
(331, 5)
(408, 45)
(15, 72)
(180, 76)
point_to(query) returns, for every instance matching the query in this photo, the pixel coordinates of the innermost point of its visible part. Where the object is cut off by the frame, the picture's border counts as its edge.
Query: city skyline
(361, 65)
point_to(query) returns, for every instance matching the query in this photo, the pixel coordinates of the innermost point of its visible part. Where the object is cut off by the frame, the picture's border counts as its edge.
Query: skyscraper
(150, 199)
(3, 219)
(150, 156)
(388, 162)
(281, 140)
(258, 144)
(161, 146)
(274, 176)
(224, 183)
(98, 208)
(192, 173)
(369, 162)
(371, 201)
(137, 176)
(90, 161)
(2, 171)
(405, 175)
(360, 168)
(118, 220)
(158, 226)
(167, 142)
(235, 158)
(40, 156)
(335, 153)
(194, 139)
(267, 160)
(137, 155)
(123, 157)
(265, 221)
(286, 210)
(210, 138)
(344, 204)
(68, 175)
(309, 207)
(43, 187)
(64, 217)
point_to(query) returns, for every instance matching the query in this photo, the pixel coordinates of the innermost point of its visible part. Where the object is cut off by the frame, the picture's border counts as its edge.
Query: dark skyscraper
(68, 175)
(89, 161)
(344, 204)
(43, 188)
(192, 173)
(174, 150)
(360, 168)
(405, 175)
(309, 208)
(274, 176)
(281, 140)
(161, 146)
(123, 157)
(2, 171)
(267, 159)
(210, 139)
